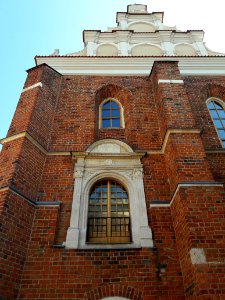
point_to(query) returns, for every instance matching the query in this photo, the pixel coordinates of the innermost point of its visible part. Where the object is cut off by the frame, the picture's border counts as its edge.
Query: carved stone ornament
(79, 173)
(137, 174)
(108, 162)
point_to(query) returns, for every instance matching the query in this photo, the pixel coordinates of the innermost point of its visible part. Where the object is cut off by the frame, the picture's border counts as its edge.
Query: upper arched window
(110, 114)
(108, 213)
(218, 115)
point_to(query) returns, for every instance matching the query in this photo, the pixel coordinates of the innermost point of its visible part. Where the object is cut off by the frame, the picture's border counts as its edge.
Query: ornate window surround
(108, 159)
(122, 123)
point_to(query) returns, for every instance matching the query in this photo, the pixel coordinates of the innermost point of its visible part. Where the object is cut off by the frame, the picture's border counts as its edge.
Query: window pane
(114, 105)
(218, 124)
(221, 133)
(105, 123)
(115, 113)
(104, 208)
(106, 105)
(217, 105)
(211, 105)
(106, 113)
(221, 113)
(108, 215)
(223, 121)
(214, 114)
(115, 122)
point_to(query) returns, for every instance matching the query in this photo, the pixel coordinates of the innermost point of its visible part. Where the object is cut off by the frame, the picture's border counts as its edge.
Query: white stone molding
(195, 184)
(150, 25)
(214, 99)
(197, 256)
(32, 86)
(187, 184)
(177, 81)
(114, 298)
(107, 49)
(172, 131)
(185, 49)
(127, 170)
(132, 66)
(151, 49)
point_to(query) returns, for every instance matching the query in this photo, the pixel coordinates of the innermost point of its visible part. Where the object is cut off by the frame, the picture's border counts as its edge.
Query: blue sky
(37, 27)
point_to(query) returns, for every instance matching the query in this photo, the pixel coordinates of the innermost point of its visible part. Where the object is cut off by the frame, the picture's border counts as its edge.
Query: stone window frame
(122, 123)
(220, 102)
(124, 166)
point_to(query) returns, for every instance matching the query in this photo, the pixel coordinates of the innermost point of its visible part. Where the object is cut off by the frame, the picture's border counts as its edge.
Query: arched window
(108, 213)
(218, 115)
(110, 115)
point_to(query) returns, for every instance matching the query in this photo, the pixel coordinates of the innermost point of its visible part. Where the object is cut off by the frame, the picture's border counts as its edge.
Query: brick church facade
(113, 169)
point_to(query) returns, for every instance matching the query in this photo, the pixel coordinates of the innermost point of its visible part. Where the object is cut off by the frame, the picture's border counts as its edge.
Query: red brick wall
(35, 110)
(63, 116)
(81, 274)
(76, 120)
(199, 89)
(16, 223)
(198, 218)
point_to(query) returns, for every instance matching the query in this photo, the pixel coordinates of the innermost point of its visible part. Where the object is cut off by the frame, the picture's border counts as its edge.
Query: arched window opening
(110, 115)
(108, 213)
(218, 115)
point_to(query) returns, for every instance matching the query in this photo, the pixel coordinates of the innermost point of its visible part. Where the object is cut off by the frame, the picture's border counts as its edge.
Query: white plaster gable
(137, 27)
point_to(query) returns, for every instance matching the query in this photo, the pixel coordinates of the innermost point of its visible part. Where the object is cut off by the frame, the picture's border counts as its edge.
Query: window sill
(110, 246)
(111, 128)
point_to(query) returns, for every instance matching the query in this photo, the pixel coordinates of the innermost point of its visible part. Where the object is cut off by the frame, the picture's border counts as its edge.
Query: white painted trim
(127, 148)
(26, 135)
(34, 142)
(114, 298)
(178, 81)
(130, 66)
(32, 86)
(160, 205)
(172, 131)
(4, 189)
(200, 184)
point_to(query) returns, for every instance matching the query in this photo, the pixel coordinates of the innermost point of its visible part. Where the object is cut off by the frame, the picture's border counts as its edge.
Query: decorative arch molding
(119, 146)
(116, 160)
(185, 49)
(215, 99)
(107, 49)
(114, 292)
(146, 49)
(142, 26)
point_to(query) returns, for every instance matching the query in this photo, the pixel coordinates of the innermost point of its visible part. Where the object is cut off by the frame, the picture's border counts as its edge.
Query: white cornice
(130, 66)
(175, 37)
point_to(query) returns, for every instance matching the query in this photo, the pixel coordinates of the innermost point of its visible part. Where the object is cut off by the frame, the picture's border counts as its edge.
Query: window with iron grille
(218, 115)
(108, 213)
